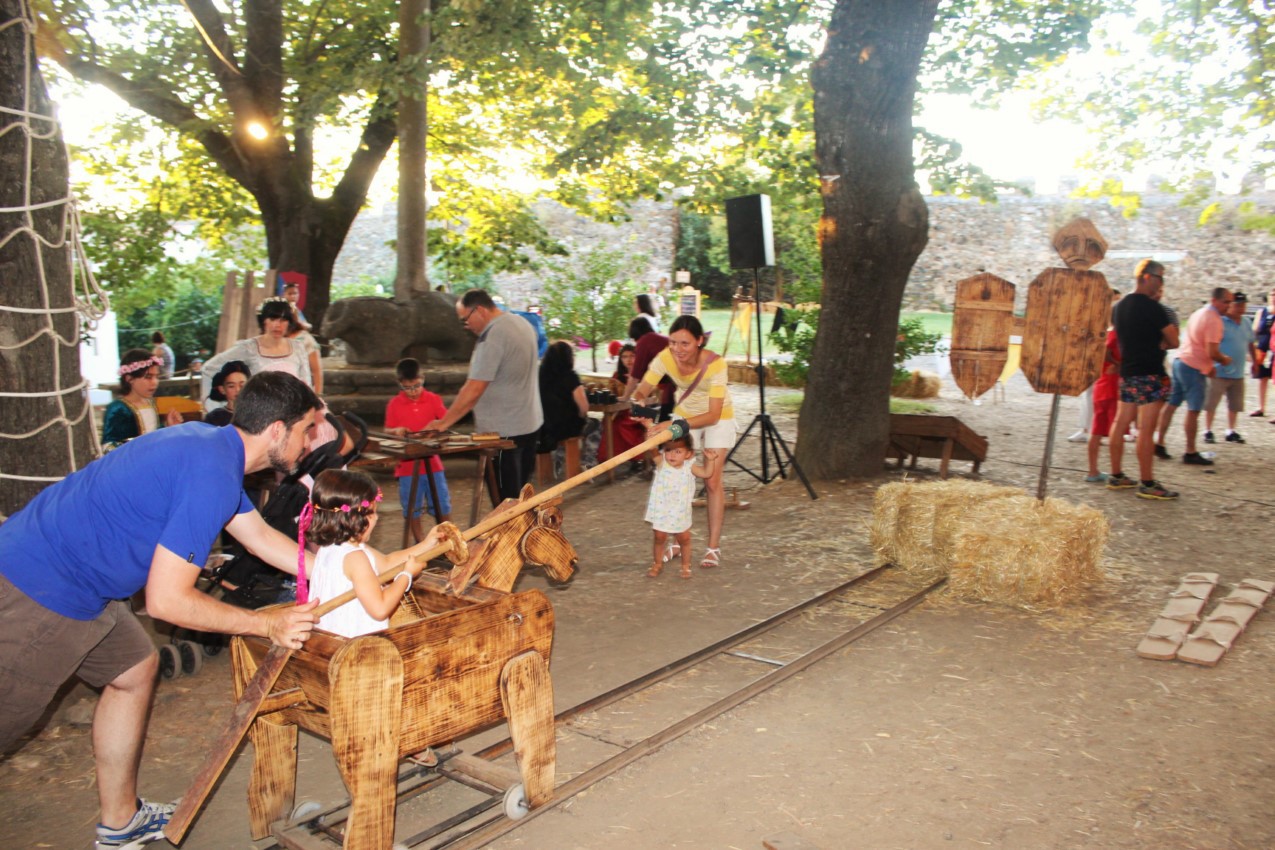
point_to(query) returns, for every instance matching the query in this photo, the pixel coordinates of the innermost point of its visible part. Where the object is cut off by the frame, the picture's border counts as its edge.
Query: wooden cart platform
(945, 437)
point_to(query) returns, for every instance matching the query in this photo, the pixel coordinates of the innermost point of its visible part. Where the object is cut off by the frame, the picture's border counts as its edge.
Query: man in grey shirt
(502, 389)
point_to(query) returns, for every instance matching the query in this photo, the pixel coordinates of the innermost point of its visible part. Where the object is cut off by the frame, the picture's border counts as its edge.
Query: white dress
(668, 508)
(329, 582)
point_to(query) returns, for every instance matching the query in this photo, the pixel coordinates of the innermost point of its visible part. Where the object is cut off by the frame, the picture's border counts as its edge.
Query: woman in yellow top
(703, 400)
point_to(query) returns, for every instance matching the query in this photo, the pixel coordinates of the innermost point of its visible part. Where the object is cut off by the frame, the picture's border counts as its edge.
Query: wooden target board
(981, 325)
(1063, 340)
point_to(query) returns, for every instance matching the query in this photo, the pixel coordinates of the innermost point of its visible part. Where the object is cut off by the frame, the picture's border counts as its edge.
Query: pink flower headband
(138, 365)
(361, 506)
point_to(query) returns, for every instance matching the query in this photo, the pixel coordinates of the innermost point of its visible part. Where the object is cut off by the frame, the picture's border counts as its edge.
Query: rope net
(48, 294)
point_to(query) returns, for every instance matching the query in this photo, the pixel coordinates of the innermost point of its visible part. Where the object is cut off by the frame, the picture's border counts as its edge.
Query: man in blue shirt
(145, 515)
(1239, 344)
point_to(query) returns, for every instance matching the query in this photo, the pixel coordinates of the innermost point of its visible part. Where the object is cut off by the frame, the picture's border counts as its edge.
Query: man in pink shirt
(1199, 351)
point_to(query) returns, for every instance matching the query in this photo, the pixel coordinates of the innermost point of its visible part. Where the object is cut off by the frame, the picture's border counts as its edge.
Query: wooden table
(609, 412)
(378, 454)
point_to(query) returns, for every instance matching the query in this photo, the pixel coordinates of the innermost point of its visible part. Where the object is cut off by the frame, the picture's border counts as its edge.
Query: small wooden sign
(688, 299)
(981, 325)
(1063, 341)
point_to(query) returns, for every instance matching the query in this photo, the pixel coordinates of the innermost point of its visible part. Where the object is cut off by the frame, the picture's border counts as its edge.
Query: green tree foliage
(590, 296)
(188, 319)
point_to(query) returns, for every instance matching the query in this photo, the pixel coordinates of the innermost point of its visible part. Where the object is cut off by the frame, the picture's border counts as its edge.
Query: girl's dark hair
(277, 307)
(646, 304)
(333, 490)
(226, 370)
(559, 358)
(157, 337)
(133, 355)
(691, 325)
(622, 371)
(677, 443)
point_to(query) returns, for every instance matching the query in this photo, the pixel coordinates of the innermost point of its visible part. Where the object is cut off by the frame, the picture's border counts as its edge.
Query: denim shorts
(423, 502)
(1189, 385)
(1144, 389)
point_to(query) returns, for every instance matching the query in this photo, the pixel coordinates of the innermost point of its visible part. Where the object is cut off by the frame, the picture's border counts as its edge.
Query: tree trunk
(413, 59)
(873, 228)
(46, 426)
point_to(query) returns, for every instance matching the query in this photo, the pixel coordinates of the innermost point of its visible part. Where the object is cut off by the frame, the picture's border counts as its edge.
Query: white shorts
(719, 436)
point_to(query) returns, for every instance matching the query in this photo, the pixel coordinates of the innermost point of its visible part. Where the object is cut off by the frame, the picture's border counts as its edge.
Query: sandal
(655, 570)
(671, 551)
(712, 558)
(686, 571)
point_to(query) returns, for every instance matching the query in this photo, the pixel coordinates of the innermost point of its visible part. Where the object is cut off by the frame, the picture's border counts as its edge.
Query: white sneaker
(1080, 436)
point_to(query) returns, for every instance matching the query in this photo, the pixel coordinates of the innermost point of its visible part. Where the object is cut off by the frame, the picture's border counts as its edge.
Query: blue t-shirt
(1236, 337)
(90, 538)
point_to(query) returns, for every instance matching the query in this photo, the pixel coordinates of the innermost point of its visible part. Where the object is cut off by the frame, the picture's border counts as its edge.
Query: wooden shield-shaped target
(981, 325)
(1067, 316)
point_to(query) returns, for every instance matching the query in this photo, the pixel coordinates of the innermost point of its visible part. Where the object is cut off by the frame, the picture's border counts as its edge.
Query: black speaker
(748, 235)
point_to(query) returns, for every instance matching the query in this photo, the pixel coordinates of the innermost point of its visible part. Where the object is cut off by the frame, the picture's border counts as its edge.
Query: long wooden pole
(258, 688)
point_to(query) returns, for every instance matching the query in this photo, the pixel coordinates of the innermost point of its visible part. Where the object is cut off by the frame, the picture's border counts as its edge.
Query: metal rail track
(322, 828)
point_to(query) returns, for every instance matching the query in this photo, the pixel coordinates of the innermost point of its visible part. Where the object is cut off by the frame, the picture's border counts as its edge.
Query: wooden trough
(457, 657)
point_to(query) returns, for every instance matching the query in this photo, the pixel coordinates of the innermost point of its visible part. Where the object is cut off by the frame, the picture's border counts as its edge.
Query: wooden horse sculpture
(460, 654)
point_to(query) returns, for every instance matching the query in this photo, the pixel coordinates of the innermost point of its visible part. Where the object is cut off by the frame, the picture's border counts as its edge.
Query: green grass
(716, 321)
(791, 403)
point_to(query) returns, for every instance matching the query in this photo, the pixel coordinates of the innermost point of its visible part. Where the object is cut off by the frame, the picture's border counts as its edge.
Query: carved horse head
(532, 537)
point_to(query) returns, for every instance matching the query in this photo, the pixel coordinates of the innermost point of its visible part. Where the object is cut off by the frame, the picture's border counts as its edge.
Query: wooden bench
(945, 437)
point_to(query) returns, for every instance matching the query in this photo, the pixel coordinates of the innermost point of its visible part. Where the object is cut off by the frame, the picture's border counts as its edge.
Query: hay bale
(1028, 553)
(918, 385)
(994, 544)
(904, 517)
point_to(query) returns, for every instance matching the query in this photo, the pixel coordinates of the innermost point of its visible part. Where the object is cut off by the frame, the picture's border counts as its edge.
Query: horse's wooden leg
(366, 677)
(527, 695)
(272, 785)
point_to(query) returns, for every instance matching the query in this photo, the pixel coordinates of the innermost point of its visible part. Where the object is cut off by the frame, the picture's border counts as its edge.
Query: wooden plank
(527, 695)
(1064, 340)
(367, 685)
(982, 322)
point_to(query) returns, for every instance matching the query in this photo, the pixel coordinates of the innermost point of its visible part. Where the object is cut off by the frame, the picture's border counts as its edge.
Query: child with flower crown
(340, 517)
(133, 413)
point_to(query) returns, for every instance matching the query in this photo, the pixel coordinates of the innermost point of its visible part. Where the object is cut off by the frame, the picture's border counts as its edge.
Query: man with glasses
(503, 389)
(1144, 331)
(1237, 344)
(1200, 349)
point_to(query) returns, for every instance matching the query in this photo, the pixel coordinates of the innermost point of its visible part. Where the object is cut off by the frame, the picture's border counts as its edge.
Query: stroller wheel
(170, 665)
(212, 645)
(192, 658)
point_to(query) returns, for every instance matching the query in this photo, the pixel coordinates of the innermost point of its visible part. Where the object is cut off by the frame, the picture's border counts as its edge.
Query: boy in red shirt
(410, 411)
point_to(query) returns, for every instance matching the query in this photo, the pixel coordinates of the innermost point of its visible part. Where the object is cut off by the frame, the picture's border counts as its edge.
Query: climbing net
(60, 251)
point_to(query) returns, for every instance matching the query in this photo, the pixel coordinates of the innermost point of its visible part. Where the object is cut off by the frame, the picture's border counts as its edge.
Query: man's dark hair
(477, 298)
(407, 369)
(273, 397)
(639, 328)
(1148, 266)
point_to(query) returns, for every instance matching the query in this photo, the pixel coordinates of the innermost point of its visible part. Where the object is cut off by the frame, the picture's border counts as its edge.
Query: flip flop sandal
(686, 571)
(712, 558)
(655, 570)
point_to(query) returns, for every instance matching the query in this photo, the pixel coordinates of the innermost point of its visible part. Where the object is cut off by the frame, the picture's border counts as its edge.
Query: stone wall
(652, 229)
(1009, 238)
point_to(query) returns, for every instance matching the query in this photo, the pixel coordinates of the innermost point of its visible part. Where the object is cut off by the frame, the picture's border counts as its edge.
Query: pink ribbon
(303, 523)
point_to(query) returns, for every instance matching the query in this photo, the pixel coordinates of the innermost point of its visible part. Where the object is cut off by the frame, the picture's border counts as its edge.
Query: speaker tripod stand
(772, 442)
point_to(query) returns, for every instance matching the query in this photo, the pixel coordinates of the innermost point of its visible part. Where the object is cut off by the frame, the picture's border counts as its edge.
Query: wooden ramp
(914, 436)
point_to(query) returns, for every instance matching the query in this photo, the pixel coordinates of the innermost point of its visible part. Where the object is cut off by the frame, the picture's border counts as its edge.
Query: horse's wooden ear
(526, 492)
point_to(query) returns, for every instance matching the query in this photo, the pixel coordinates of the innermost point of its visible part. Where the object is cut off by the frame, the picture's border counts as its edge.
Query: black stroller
(243, 579)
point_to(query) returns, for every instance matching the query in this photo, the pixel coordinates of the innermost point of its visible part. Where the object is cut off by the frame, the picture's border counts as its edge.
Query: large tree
(45, 427)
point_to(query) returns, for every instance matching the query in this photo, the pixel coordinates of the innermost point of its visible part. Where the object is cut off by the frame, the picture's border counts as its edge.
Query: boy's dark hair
(334, 490)
(639, 328)
(407, 369)
(273, 397)
(226, 370)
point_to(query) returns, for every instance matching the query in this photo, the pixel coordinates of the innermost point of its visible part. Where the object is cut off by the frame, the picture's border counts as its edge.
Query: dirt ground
(957, 725)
